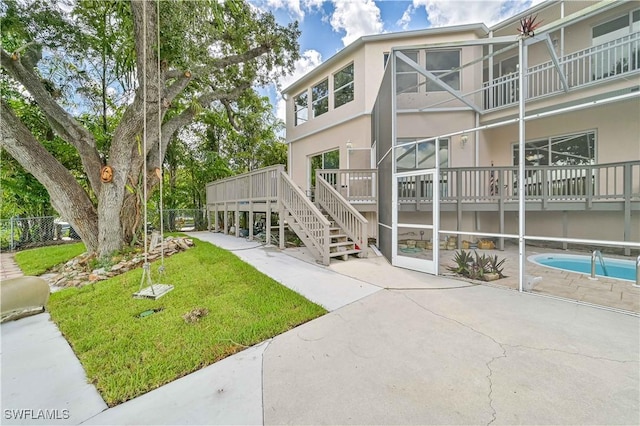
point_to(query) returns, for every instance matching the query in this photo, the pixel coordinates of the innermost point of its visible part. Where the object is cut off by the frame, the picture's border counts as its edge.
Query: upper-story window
(617, 58)
(406, 76)
(320, 98)
(440, 63)
(301, 105)
(343, 86)
(505, 67)
(616, 28)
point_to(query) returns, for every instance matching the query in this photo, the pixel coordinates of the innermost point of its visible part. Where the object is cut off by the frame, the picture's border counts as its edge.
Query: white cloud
(406, 18)
(458, 12)
(356, 18)
(297, 8)
(309, 60)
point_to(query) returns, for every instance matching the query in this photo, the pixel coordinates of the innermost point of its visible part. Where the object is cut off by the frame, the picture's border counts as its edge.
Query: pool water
(615, 268)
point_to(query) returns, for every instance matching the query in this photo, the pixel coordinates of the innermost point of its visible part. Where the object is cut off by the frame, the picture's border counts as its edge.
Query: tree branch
(170, 127)
(243, 57)
(230, 114)
(175, 89)
(60, 120)
(67, 196)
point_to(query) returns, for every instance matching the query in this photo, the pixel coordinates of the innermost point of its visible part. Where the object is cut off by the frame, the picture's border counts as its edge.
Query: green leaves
(475, 266)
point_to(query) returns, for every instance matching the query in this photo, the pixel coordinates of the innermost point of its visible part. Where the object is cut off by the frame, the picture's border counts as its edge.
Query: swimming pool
(616, 268)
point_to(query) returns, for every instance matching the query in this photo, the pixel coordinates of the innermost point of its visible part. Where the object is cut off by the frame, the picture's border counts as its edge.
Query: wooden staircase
(340, 245)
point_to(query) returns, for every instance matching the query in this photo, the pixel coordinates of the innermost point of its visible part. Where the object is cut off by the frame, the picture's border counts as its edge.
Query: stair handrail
(345, 215)
(305, 213)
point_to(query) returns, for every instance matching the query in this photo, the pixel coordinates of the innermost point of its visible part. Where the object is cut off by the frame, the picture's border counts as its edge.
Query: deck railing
(314, 227)
(345, 215)
(598, 63)
(586, 183)
(258, 185)
(358, 186)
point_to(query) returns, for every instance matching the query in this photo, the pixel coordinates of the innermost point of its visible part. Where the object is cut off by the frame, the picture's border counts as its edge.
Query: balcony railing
(595, 64)
(358, 186)
(584, 183)
(258, 185)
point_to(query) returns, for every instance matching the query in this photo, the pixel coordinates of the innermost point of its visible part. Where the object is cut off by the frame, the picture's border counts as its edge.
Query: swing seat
(155, 291)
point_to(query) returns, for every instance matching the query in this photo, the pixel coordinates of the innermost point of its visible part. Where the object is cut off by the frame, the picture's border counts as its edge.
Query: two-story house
(424, 135)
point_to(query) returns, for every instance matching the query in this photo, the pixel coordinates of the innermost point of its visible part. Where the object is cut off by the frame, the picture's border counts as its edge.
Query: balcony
(589, 66)
(614, 186)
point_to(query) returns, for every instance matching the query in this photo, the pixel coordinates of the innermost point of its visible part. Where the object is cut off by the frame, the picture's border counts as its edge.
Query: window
(506, 66)
(320, 96)
(569, 150)
(385, 58)
(440, 63)
(343, 86)
(618, 59)
(406, 158)
(406, 76)
(326, 160)
(301, 106)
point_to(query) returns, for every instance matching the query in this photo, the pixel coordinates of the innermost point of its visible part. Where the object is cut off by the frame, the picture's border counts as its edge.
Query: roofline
(526, 12)
(480, 29)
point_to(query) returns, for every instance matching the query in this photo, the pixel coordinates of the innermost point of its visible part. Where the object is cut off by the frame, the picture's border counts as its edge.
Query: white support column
(236, 219)
(226, 219)
(268, 223)
(521, 158)
(250, 221)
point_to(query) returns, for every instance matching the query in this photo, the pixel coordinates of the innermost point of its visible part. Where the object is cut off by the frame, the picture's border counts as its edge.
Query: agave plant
(463, 260)
(476, 266)
(495, 265)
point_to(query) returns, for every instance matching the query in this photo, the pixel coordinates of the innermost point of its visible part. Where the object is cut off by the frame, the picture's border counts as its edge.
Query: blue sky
(330, 25)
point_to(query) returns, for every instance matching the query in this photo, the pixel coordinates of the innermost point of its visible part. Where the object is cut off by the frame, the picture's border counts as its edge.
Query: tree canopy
(86, 81)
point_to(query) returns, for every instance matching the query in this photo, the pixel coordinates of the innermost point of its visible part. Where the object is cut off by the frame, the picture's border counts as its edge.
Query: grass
(40, 260)
(126, 356)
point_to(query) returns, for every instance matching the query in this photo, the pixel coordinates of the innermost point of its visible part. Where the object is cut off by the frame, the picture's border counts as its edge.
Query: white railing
(358, 186)
(344, 214)
(586, 183)
(309, 223)
(595, 64)
(258, 185)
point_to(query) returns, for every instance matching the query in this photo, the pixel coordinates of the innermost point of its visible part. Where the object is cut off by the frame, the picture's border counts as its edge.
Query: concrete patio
(397, 347)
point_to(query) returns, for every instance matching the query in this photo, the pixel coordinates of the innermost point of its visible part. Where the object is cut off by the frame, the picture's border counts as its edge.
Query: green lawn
(126, 356)
(40, 260)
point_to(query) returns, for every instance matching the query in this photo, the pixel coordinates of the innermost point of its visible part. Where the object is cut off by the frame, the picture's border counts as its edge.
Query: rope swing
(151, 291)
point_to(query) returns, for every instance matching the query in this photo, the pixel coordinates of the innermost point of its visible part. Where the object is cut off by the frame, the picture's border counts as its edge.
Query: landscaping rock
(77, 273)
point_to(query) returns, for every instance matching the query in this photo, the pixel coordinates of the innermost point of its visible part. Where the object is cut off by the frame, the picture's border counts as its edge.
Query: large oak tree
(169, 62)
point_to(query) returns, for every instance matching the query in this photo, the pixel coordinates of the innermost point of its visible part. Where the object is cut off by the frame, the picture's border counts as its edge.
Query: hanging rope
(152, 291)
(160, 158)
(146, 268)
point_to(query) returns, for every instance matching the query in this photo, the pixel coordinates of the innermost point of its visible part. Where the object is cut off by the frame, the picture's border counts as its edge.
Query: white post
(521, 157)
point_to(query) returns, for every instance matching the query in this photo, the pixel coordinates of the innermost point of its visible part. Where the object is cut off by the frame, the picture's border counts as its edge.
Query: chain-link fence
(176, 220)
(26, 232)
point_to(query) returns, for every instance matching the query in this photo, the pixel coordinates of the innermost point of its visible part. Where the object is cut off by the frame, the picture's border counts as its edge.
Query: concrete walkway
(429, 350)
(8, 266)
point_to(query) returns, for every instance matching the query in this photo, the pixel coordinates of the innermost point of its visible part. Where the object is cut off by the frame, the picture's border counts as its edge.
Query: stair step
(338, 236)
(344, 253)
(342, 243)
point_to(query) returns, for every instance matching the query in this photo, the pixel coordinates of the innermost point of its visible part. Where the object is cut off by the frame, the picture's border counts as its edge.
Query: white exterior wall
(351, 122)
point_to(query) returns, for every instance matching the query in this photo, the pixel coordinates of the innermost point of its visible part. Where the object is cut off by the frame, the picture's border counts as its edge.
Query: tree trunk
(67, 196)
